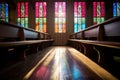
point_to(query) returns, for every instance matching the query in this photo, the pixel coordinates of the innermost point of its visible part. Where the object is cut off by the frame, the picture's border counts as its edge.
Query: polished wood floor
(56, 63)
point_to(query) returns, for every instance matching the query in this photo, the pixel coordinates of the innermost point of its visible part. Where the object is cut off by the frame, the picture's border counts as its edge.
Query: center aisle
(66, 63)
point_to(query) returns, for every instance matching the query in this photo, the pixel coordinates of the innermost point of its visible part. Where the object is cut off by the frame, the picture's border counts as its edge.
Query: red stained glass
(94, 9)
(98, 12)
(83, 10)
(102, 9)
(22, 14)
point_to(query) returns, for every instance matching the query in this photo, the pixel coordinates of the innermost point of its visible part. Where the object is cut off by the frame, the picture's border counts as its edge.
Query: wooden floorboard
(56, 63)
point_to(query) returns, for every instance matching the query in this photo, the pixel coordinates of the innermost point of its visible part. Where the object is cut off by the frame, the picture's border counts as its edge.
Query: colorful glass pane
(60, 14)
(4, 12)
(22, 14)
(79, 16)
(40, 14)
(98, 12)
(116, 9)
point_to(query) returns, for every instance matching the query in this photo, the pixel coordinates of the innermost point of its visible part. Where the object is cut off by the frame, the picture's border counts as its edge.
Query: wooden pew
(101, 43)
(16, 42)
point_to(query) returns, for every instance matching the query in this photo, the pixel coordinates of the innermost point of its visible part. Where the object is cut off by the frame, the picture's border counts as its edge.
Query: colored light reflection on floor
(76, 74)
(61, 64)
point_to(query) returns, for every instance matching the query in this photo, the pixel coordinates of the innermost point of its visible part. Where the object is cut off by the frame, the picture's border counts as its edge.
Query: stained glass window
(40, 14)
(60, 17)
(116, 9)
(79, 16)
(4, 12)
(98, 12)
(22, 14)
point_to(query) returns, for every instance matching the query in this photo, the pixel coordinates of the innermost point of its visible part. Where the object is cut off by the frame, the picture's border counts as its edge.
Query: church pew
(101, 43)
(8, 32)
(106, 31)
(16, 41)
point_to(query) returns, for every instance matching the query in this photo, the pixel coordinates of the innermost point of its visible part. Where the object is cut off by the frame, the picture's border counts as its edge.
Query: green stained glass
(22, 22)
(44, 19)
(102, 19)
(26, 22)
(19, 22)
(79, 20)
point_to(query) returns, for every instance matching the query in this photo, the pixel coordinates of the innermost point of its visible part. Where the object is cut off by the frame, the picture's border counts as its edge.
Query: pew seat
(20, 43)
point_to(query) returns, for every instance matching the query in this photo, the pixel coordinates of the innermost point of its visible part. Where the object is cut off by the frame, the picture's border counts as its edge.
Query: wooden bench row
(12, 32)
(16, 42)
(101, 43)
(106, 31)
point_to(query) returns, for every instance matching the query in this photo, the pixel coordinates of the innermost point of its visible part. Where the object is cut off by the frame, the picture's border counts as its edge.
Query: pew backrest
(8, 32)
(112, 31)
(30, 34)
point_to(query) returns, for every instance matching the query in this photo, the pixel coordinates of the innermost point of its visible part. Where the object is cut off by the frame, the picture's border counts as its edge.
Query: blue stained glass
(79, 27)
(0, 11)
(114, 9)
(83, 24)
(6, 9)
(75, 27)
(4, 12)
(118, 9)
(79, 16)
